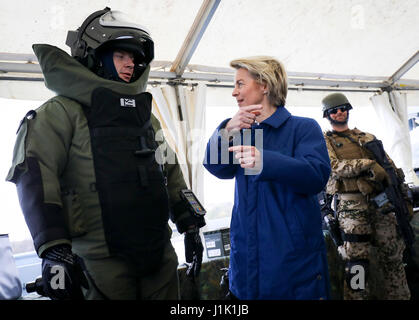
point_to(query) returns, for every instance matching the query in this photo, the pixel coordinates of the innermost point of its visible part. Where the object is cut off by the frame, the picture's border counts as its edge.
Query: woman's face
(246, 90)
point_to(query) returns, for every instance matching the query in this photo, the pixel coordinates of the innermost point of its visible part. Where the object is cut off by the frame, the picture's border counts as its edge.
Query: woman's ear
(265, 88)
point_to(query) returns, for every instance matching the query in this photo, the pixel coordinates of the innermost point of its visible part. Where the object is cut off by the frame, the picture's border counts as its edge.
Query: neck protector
(67, 77)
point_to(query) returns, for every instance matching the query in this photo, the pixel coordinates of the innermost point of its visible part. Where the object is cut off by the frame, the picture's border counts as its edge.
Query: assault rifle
(393, 193)
(329, 217)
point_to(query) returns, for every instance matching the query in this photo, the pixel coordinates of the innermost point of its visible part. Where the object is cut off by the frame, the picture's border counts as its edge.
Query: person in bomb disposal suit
(355, 182)
(92, 192)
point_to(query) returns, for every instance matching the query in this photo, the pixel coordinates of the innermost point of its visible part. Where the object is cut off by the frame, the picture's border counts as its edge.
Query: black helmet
(106, 29)
(334, 100)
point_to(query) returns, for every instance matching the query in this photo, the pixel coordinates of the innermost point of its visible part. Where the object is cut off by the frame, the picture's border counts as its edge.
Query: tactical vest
(129, 181)
(345, 149)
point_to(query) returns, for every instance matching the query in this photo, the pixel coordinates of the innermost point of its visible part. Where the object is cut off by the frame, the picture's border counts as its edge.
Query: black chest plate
(130, 182)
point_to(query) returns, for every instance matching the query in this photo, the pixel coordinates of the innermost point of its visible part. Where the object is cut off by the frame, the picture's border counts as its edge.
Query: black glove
(193, 252)
(62, 275)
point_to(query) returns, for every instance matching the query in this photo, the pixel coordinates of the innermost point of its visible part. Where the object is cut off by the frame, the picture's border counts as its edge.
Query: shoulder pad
(31, 114)
(369, 136)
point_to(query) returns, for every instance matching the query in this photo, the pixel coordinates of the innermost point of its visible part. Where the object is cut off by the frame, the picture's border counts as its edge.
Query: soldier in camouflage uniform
(355, 178)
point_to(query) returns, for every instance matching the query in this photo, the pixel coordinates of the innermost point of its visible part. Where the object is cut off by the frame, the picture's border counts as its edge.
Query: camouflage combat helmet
(334, 100)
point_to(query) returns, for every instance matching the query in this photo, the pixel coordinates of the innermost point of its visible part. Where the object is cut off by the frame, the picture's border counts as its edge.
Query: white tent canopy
(324, 42)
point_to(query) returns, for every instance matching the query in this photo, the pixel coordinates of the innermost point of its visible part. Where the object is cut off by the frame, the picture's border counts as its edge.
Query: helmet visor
(118, 19)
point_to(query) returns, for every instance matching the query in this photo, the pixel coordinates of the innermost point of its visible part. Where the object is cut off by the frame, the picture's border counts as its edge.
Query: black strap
(144, 151)
(356, 237)
(340, 134)
(143, 175)
(120, 131)
(335, 204)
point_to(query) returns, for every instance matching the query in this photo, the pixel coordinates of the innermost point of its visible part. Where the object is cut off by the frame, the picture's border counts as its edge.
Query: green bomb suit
(54, 170)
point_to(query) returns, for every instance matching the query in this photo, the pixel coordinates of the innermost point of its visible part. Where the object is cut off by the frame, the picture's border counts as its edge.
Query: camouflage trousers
(356, 217)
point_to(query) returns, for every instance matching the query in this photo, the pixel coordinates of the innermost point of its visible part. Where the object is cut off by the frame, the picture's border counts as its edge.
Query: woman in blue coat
(280, 163)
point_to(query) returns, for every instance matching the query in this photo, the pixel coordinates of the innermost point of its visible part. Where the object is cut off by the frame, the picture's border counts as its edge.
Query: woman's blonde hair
(269, 71)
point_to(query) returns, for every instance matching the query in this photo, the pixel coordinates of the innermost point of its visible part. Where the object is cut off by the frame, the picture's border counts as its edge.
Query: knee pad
(356, 274)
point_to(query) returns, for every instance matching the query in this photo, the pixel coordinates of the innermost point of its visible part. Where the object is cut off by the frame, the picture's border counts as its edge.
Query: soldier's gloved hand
(378, 173)
(193, 251)
(62, 276)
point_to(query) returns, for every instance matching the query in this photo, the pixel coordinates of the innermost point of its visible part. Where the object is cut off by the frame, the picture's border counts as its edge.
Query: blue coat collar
(278, 117)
